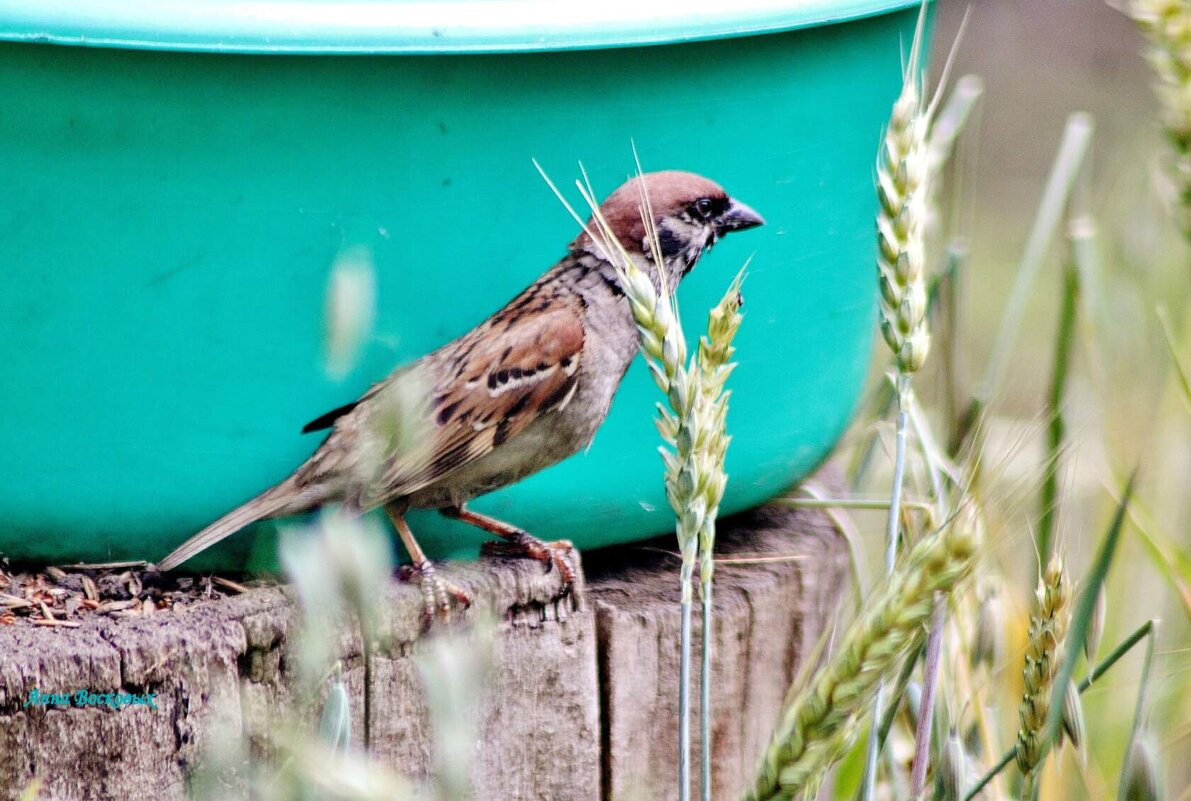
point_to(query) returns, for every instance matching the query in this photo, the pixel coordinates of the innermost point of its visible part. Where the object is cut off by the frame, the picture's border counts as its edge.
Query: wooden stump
(582, 705)
(768, 617)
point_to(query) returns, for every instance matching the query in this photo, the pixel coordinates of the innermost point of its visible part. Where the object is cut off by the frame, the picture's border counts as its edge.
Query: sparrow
(523, 390)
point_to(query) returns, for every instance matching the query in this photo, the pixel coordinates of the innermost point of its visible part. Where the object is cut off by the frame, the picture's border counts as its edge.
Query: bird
(521, 391)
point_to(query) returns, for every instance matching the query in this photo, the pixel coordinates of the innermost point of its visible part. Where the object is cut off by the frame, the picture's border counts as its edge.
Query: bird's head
(690, 214)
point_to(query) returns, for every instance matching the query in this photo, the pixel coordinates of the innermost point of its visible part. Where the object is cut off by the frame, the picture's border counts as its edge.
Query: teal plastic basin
(174, 199)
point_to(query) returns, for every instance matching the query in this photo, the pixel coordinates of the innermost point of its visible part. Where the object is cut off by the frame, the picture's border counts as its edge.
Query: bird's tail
(267, 504)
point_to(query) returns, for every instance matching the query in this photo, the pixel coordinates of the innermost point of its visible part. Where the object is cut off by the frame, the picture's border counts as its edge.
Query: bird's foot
(437, 592)
(558, 554)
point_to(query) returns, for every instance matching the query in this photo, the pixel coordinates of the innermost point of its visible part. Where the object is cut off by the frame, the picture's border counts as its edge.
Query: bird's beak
(738, 217)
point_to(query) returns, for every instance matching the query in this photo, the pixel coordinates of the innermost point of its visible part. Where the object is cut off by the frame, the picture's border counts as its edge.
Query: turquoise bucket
(176, 193)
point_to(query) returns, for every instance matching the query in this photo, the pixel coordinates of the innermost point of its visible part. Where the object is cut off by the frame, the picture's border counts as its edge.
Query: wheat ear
(819, 724)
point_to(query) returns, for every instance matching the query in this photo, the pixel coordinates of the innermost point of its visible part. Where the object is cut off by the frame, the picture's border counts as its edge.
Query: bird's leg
(519, 543)
(437, 592)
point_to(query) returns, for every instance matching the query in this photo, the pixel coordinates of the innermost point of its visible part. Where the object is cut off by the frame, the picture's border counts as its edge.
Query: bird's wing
(489, 386)
(328, 420)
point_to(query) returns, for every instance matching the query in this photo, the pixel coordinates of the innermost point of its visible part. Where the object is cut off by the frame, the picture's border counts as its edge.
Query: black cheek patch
(670, 243)
(613, 285)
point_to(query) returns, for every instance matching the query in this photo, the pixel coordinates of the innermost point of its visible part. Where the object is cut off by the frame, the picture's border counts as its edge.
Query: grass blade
(1057, 421)
(1144, 630)
(1173, 569)
(952, 117)
(943, 302)
(1067, 166)
(1138, 722)
(1082, 616)
(899, 691)
(1181, 370)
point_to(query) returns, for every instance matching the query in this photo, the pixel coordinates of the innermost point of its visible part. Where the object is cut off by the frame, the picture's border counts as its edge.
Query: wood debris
(63, 596)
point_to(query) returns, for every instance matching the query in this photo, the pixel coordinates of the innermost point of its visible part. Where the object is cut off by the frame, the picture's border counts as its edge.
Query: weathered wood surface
(768, 618)
(582, 705)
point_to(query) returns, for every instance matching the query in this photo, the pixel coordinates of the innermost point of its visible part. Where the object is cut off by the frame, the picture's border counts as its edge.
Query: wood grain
(582, 705)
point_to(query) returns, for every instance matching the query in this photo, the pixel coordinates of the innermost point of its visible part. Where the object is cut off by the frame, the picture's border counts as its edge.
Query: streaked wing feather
(512, 373)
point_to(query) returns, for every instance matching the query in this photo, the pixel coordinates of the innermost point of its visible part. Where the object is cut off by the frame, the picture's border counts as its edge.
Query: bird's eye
(703, 208)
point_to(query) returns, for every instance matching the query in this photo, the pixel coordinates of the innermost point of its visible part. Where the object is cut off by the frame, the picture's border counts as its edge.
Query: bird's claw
(437, 592)
(559, 554)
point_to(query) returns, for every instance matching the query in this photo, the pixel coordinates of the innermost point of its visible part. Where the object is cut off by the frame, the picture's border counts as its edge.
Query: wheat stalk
(902, 169)
(903, 165)
(694, 423)
(1048, 628)
(693, 428)
(820, 723)
(713, 364)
